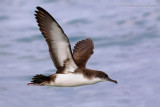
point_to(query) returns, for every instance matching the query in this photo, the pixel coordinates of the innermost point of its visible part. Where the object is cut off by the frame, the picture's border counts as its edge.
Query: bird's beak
(109, 79)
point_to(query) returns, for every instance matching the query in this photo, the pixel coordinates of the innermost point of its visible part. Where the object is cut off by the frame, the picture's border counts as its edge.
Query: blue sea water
(127, 48)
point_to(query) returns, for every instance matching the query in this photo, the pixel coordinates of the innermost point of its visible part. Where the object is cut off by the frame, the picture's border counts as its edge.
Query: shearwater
(71, 68)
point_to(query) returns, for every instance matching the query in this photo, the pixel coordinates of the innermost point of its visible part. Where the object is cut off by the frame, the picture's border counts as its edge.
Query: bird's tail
(40, 80)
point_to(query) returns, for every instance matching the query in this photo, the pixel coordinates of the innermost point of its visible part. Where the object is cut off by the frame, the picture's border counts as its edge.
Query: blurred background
(126, 35)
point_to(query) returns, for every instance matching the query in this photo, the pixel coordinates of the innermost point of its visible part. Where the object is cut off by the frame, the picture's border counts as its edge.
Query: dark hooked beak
(108, 79)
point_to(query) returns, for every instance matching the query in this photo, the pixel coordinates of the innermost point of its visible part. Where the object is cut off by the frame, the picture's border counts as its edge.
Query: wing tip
(87, 41)
(42, 12)
(84, 45)
(39, 8)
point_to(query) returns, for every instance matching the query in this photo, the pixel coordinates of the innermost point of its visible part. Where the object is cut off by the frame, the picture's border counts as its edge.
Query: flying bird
(71, 68)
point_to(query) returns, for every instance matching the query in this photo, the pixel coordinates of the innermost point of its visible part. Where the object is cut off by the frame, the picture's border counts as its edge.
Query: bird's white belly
(70, 80)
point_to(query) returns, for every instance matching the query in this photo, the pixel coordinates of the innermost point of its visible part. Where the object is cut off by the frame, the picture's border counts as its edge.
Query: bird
(71, 67)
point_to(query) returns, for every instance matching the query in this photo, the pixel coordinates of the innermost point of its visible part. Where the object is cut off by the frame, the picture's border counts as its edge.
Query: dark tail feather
(38, 79)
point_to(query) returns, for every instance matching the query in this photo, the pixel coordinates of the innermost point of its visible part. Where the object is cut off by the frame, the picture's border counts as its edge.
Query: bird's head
(105, 77)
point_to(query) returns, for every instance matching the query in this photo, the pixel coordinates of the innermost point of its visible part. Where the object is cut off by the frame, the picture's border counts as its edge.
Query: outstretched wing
(82, 52)
(59, 46)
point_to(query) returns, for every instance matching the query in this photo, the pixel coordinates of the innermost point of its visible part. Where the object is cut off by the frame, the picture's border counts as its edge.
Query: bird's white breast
(70, 80)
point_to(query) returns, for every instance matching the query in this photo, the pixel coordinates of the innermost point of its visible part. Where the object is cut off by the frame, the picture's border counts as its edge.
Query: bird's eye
(102, 76)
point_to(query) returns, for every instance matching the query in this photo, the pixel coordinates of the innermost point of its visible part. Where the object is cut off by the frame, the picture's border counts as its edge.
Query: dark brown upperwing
(82, 52)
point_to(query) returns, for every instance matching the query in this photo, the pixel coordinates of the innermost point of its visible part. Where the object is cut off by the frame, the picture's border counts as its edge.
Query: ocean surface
(127, 48)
